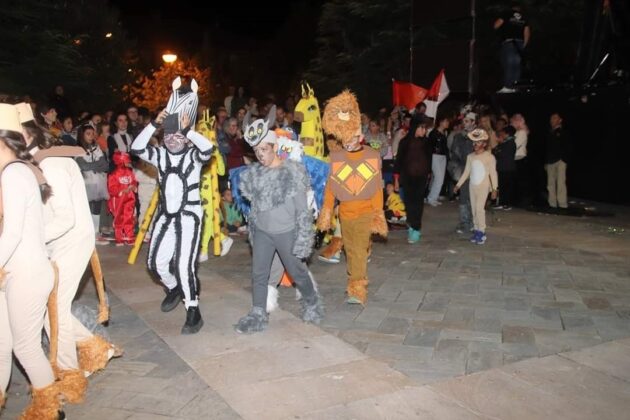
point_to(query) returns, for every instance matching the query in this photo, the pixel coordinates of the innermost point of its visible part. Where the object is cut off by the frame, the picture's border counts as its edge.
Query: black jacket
(558, 146)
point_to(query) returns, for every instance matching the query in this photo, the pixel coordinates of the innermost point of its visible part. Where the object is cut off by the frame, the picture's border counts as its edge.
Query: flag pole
(411, 43)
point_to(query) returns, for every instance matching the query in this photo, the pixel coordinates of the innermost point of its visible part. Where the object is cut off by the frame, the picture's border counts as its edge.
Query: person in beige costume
(70, 240)
(28, 276)
(482, 171)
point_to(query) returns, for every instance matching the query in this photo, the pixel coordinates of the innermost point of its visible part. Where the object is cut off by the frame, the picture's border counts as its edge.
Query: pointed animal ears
(307, 90)
(177, 83)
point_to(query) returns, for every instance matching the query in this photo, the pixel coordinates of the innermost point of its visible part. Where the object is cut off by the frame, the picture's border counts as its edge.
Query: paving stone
(452, 351)
(470, 335)
(455, 313)
(552, 342)
(425, 337)
(609, 358)
(596, 303)
(483, 356)
(519, 335)
(394, 326)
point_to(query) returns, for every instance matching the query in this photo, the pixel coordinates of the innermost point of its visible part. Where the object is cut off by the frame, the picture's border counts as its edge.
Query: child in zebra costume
(176, 232)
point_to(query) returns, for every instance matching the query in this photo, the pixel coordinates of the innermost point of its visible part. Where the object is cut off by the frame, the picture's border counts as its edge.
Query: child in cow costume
(175, 239)
(355, 181)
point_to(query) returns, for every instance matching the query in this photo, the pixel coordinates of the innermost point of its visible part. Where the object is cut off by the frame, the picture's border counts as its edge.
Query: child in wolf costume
(279, 222)
(177, 228)
(355, 180)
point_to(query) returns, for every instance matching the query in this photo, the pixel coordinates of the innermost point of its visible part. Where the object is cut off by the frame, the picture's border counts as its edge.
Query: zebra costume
(176, 232)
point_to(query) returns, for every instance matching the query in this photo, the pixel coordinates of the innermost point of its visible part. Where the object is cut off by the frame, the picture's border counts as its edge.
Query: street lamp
(169, 57)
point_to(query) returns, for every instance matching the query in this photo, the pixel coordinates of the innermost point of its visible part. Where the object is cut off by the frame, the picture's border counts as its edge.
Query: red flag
(407, 94)
(438, 92)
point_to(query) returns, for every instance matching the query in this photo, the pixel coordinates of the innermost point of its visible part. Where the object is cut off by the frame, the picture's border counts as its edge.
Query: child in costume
(481, 169)
(28, 276)
(70, 242)
(122, 186)
(177, 226)
(279, 221)
(231, 217)
(394, 206)
(355, 181)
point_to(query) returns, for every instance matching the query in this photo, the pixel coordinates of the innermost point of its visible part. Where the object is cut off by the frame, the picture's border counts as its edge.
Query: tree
(361, 45)
(63, 42)
(152, 91)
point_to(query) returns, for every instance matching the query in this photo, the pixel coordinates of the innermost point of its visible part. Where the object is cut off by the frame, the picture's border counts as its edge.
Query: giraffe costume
(311, 134)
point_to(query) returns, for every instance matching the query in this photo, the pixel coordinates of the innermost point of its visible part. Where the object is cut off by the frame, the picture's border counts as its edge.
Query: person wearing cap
(70, 240)
(482, 171)
(27, 275)
(280, 221)
(459, 151)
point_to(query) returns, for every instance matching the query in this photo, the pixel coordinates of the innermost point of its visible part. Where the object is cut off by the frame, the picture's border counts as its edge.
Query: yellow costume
(311, 134)
(210, 197)
(395, 205)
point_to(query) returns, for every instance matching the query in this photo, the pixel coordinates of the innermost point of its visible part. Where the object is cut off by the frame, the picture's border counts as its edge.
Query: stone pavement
(546, 289)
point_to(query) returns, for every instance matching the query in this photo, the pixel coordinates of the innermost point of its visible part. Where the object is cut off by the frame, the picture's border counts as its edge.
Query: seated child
(394, 206)
(230, 215)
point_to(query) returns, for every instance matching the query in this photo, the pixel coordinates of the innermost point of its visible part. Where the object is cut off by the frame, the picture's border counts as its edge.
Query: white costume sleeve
(60, 202)
(140, 146)
(14, 184)
(204, 146)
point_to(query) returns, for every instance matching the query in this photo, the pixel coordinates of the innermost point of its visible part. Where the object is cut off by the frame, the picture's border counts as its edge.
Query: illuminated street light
(169, 57)
(108, 35)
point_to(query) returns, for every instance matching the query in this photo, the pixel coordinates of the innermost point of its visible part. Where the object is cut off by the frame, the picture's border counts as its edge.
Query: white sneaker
(272, 298)
(242, 230)
(226, 244)
(203, 258)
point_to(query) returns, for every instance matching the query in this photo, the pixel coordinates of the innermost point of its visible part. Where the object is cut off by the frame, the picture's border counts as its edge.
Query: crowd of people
(103, 170)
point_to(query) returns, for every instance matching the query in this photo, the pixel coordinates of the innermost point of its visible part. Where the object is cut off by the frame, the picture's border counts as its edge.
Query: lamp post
(169, 57)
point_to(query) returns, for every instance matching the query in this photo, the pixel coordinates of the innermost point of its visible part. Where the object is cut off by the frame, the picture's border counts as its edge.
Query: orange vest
(355, 175)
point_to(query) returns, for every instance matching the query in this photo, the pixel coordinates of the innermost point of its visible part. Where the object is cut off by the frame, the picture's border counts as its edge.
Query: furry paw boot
(357, 291)
(194, 322)
(313, 312)
(2, 401)
(94, 353)
(72, 385)
(255, 321)
(45, 404)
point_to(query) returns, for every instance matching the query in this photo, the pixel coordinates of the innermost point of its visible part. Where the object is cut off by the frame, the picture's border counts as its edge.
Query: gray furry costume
(267, 188)
(280, 221)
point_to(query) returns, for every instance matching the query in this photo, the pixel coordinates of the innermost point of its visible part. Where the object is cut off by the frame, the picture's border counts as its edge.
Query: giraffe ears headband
(259, 131)
(307, 90)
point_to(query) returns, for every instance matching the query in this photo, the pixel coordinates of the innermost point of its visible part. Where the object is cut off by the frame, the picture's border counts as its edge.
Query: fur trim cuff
(358, 289)
(379, 225)
(324, 219)
(336, 244)
(94, 353)
(2, 400)
(72, 385)
(45, 404)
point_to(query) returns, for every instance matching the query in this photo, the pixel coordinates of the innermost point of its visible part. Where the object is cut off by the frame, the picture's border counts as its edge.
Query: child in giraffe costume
(355, 181)
(210, 197)
(308, 114)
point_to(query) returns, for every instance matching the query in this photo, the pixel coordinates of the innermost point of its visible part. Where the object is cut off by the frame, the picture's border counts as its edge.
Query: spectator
(556, 159)
(438, 162)
(506, 167)
(515, 34)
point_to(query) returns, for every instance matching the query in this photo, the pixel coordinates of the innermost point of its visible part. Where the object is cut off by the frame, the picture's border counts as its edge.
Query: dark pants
(523, 194)
(415, 188)
(511, 62)
(507, 180)
(264, 247)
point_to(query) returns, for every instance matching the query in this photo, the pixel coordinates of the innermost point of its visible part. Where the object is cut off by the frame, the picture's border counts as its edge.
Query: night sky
(159, 24)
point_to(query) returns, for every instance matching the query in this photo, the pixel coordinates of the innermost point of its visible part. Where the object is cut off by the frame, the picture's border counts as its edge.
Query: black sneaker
(61, 415)
(172, 299)
(194, 322)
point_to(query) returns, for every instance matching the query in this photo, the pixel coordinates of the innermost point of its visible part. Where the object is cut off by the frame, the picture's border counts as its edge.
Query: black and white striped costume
(177, 227)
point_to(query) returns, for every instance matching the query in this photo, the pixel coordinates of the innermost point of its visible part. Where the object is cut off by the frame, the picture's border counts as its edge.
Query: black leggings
(414, 189)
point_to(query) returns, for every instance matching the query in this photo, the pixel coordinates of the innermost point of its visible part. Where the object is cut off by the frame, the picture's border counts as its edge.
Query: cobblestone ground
(541, 285)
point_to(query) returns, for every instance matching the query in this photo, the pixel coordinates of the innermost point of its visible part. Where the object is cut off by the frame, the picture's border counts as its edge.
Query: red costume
(122, 185)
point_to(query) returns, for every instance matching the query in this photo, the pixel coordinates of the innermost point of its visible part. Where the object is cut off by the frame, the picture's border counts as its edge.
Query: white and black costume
(176, 232)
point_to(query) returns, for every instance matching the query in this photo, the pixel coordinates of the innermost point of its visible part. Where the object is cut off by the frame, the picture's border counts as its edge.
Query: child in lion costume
(355, 180)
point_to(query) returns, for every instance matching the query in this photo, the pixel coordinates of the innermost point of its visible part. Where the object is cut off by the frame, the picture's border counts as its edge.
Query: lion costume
(355, 180)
